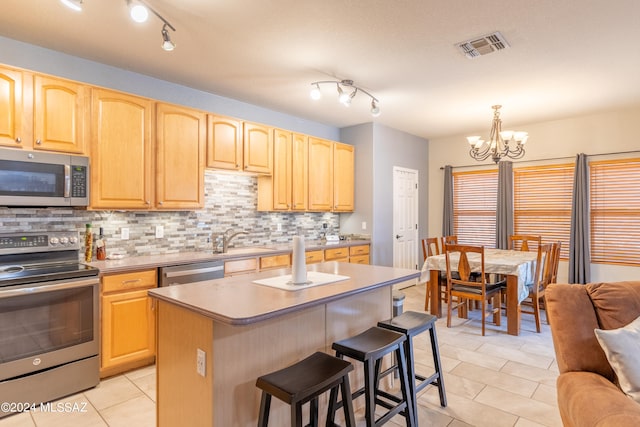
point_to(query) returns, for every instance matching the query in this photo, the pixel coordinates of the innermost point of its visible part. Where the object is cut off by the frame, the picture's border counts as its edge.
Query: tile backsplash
(230, 202)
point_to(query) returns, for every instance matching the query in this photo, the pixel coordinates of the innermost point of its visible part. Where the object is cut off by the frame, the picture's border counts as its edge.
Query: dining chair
(541, 278)
(465, 288)
(430, 248)
(523, 241)
(557, 246)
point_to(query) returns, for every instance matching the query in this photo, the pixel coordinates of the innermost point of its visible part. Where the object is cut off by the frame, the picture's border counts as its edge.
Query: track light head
(167, 44)
(73, 4)
(375, 110)
(315, 92)
(138, 12)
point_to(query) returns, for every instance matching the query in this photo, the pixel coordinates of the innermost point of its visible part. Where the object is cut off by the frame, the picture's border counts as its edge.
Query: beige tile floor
(495, 380)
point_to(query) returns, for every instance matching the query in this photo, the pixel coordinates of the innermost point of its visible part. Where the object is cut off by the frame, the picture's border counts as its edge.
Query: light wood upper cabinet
(282, 170)
(343, 177)
(121, 151)
(320, 174)
(60, 115)
(258, 148)
(180, 139)
(224, 142)
(300, 172)
(11, 108)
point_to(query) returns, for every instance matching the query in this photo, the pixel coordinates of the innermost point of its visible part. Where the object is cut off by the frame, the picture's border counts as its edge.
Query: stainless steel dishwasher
(189, 273)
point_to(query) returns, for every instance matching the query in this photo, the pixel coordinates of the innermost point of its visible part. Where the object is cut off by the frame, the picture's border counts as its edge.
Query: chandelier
(346, 92)
(501, 143)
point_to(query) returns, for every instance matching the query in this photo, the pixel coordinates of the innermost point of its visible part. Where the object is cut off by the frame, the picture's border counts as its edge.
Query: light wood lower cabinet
(275, 261)
(337, 254)
(128, 322)
(313, 257)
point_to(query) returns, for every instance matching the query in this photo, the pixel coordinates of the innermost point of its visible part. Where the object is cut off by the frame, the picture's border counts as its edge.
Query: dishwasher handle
(189, 272)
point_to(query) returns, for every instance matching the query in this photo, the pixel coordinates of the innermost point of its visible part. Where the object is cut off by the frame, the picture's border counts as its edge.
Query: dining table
(517, 266)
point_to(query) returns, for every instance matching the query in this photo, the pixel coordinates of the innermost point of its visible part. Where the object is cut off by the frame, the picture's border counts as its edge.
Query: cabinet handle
(160, 203)
(131, 282)
(147, 202)
(38, 142)
(18, 140)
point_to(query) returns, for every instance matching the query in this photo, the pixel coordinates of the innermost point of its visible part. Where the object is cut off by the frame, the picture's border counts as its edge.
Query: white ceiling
(567, 58)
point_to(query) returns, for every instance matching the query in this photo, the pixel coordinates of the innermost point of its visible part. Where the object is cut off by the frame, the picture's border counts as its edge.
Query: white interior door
(405, 220)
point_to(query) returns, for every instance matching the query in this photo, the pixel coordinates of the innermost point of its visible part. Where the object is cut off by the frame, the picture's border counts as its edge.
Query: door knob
(398, 236)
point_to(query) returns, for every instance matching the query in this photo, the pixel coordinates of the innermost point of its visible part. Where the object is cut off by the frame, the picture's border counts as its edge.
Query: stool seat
(304, 381)
(371, 344)
(411, 323)
(370, 347)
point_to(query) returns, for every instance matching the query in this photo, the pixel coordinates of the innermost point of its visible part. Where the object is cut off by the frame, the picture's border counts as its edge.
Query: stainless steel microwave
(29, 178)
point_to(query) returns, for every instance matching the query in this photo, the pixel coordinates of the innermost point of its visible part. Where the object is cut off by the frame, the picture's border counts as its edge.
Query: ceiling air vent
(483, 45)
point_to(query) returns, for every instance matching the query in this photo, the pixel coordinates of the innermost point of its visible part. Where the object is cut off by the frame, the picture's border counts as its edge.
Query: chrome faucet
(227, 239)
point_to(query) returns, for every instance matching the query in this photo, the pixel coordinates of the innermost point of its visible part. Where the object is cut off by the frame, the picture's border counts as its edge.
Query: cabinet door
(60, 115)
(128, 328)
(258, 148)
(180, 134)
(281, 170)
(121, 151)
(343, 177)
(11, 108)
(224, 142)
(299, 174)
(320, 174)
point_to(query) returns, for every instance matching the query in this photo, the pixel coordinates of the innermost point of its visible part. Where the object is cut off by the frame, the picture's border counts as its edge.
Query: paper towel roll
(299, 262)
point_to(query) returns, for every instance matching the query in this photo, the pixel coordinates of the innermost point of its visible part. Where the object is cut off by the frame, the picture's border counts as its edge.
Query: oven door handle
(38, 289)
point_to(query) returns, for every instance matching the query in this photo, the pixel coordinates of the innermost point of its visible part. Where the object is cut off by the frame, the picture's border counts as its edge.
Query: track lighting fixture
(139, 12)
(346, 92)
(73, 4)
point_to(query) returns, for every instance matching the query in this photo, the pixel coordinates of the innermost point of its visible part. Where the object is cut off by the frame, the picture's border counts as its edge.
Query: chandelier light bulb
(139, 13)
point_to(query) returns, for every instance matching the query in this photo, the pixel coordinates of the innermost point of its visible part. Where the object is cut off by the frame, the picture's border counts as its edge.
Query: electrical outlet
(201, 362)
(364, 225)
(159, 232)
(124, 233)
(278, 227)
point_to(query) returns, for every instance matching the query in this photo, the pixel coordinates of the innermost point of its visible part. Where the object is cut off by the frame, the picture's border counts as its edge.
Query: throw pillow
(622, 347)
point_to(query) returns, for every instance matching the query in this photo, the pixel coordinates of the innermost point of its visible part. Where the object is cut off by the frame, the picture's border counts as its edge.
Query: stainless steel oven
(29, 178)
(49, 319)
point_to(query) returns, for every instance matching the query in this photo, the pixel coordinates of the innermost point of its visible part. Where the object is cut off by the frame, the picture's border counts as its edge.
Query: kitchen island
(246, 330)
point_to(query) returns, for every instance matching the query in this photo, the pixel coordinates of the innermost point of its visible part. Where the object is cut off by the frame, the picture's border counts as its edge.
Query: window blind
(542, 203)
(615, 211)
(475, 197)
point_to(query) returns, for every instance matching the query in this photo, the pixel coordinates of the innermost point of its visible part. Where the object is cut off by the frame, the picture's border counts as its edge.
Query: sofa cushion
(586, 399)
(622, 347)
(616, 304)
(572, 318)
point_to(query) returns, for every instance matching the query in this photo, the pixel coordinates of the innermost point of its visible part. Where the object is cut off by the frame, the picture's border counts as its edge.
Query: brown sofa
(587, 390)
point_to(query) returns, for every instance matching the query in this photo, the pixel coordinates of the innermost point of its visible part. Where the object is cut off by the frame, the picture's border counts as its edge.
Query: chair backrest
(430, 247)
(524, 241)
(544, 263)
(557, 246)
(448, 240)
(464, 268)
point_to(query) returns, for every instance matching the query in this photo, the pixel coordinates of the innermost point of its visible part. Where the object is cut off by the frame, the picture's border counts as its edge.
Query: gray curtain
(447, 211)
(580, 238)
(504, 210)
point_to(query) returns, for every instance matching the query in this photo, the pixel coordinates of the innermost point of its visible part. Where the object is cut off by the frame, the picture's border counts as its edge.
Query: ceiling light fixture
(346, 92)
(501, 143)
(139, 11)
(73, 4)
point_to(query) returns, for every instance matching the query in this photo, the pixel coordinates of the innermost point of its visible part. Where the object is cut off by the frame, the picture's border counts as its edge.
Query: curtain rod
(546, 160)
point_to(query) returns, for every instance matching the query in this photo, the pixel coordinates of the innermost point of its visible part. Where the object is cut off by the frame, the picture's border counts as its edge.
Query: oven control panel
(39, 242)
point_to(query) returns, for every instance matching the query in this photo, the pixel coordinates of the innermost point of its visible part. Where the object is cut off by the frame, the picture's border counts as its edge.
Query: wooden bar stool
(410, 324)
(304, 382)
(370, 347)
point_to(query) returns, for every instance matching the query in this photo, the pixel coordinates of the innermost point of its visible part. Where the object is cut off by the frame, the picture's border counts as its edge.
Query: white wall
(606, 132)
